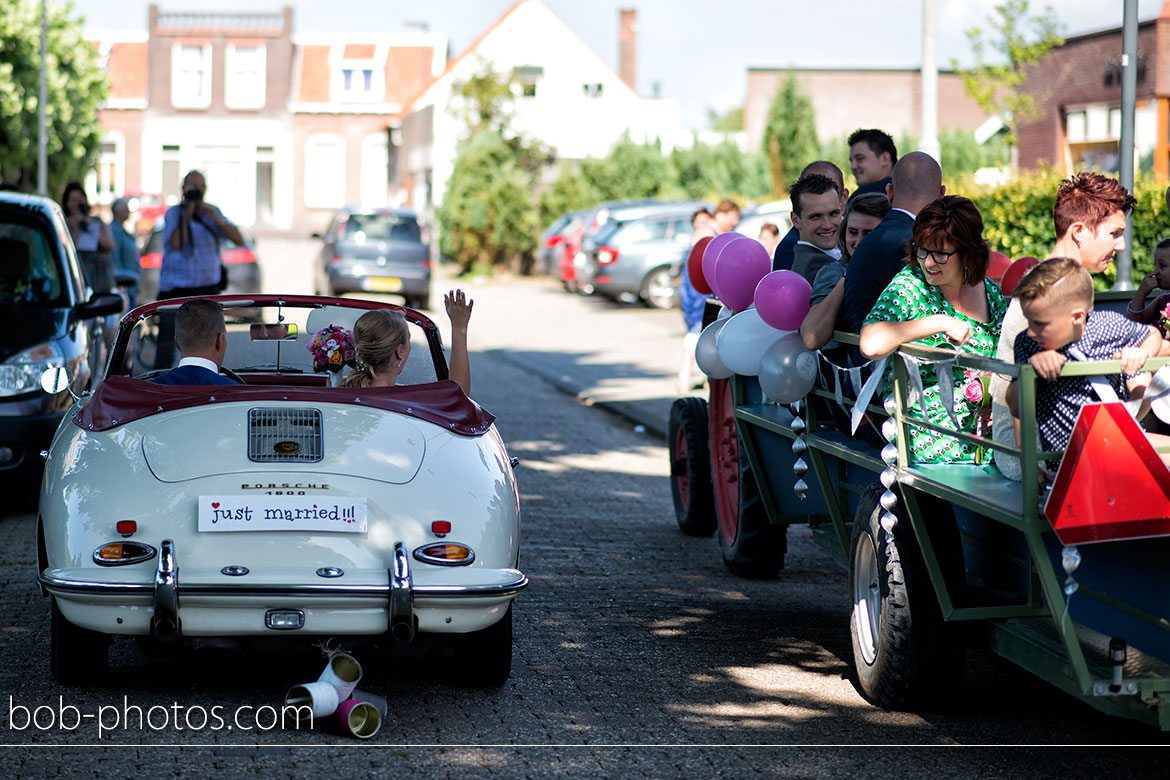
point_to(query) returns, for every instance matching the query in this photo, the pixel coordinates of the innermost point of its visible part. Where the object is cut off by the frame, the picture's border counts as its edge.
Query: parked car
(375, 250)
(49, 317)
(570, 250)
(637, 256)
(550, 247)
(778, 212)
(283, 507)
(606, 219)
(146, 208)
(241, 262)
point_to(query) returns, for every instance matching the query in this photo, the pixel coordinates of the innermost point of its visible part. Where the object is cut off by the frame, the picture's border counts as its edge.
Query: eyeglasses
(940, 257)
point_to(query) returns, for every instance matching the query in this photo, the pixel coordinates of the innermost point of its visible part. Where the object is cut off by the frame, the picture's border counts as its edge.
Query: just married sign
(282, 513)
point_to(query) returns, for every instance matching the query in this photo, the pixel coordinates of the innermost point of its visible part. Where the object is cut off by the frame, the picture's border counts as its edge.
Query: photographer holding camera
(91, 237)
(191, 265)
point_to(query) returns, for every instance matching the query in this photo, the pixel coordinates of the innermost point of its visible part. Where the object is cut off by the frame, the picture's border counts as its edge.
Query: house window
(526, 77)
(191, 75)
(360, 85)
(1075, 127)
(325, 171)
(244, 79)
(592, 90)
(107, 179)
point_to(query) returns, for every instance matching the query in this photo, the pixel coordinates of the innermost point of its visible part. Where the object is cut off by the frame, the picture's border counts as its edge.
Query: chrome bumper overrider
(167, 591)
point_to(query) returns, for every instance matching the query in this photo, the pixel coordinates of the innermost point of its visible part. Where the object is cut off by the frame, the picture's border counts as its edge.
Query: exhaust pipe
(164, 623)
(401, 596)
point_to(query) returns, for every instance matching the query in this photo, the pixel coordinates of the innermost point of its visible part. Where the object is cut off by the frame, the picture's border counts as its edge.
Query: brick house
(287, 128)
(1077, 88)
(845, 99)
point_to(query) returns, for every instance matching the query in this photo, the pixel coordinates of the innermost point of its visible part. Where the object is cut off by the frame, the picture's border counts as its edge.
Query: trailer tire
(690, 467)
(752, 546)
(903, 652)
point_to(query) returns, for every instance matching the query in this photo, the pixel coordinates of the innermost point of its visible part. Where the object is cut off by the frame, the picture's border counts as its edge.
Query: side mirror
(55, 380)
(276, 332)
(125, 278)
(100, 305)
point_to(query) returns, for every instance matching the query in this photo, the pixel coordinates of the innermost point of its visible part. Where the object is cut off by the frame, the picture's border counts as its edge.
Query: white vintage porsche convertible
(283, 506)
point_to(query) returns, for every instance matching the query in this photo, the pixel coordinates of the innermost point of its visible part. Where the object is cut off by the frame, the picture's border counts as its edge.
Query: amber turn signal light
(445, 554)
(122, 553)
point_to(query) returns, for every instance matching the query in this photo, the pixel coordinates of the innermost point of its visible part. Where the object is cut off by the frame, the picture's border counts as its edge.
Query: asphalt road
(636, 652)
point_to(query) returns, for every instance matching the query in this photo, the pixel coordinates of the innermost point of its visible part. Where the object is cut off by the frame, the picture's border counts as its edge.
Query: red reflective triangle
(1111, 484)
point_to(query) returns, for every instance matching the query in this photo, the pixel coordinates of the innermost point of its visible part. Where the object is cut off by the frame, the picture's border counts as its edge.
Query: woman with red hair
(941, 299)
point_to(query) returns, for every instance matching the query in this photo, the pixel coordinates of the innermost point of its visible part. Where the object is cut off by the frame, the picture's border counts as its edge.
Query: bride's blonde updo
(377, 335)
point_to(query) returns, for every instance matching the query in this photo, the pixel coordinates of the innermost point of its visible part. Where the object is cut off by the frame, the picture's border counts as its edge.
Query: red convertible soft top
(121, 399)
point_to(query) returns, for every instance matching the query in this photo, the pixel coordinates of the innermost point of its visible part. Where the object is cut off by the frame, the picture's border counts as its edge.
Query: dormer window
(526, 77)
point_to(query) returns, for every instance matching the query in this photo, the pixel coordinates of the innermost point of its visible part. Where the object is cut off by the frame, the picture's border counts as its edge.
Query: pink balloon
(714, 247)
(782, 299)
(738, 269)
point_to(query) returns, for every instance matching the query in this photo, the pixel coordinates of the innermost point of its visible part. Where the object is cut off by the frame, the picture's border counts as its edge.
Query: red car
(146, 208)
(570, 246)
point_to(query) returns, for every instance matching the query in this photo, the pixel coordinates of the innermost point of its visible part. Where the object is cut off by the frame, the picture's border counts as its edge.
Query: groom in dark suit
(917, 181)
(201, 336)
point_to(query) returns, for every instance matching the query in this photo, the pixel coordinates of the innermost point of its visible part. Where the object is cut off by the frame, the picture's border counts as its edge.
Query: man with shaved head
(784, 255)
(917, 180)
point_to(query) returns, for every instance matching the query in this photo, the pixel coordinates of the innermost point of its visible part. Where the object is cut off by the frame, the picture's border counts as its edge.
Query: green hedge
(1017, 217)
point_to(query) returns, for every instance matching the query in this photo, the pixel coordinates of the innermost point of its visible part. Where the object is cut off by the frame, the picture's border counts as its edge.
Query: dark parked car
(375, 250)
(637, 254)
(49, 317)
(241, 262)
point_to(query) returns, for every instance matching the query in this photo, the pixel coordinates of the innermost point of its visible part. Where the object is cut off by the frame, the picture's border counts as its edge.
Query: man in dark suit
(201, 336)
(917, 181)
(782, 258)
(816, 214)
(872, 157)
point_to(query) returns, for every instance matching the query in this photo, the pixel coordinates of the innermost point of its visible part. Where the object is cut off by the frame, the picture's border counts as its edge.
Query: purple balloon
(739, 267)
(711, 253)
(782, 299)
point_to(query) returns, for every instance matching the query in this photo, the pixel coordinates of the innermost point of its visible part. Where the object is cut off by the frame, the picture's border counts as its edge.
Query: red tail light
(152, 260)
(239, 255)
(552, 241)
(335, 259)
(607, 256)
(426, 263)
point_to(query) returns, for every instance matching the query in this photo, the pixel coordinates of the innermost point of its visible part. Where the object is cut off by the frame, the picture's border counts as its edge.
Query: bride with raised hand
(382, 338)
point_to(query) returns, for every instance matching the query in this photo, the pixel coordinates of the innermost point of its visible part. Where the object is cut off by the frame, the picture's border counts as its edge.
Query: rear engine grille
(284, 435)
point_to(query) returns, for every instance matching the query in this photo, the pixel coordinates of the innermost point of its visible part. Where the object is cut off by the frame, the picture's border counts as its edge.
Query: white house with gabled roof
(569, 98)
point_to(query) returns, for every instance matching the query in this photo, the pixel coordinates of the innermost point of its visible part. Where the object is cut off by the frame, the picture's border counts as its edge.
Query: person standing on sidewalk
(190, 264)
(693, 302)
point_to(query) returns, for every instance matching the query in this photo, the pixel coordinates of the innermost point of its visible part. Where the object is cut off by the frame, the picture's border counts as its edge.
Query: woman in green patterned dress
(941, 299)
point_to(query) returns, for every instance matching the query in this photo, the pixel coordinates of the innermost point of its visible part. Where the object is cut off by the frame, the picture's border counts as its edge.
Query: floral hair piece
(332, 347)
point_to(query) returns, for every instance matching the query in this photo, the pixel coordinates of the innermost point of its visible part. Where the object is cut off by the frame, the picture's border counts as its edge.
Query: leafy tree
(718, 171)
(76, 87)
(730, 122)
(1012, 43)
(487, 216)
(630, 170)
(790, 134)
(484, 100)
(568, 192)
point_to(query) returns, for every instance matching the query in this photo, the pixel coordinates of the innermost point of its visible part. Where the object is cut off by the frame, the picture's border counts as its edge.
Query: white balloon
(743, 341)
(707, 354)
(787, 370)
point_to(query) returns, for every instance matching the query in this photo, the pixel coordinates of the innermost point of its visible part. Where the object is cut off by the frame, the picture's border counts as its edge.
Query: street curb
(632, 411)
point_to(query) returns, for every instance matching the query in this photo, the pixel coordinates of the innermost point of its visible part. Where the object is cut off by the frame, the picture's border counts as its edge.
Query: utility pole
(43, 135)
(1129, 61)
(929, 141)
